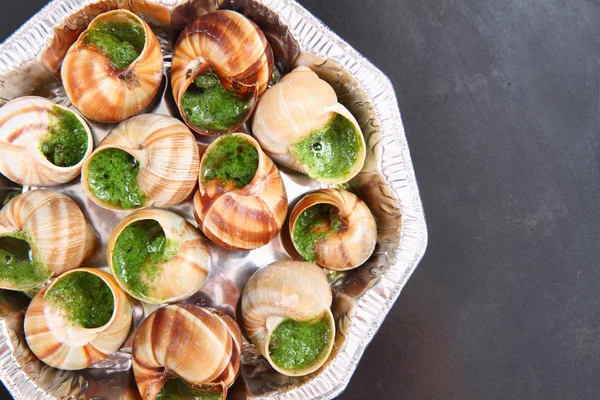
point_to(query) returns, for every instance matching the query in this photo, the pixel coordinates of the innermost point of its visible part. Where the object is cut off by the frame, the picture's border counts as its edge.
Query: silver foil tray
(30, 64)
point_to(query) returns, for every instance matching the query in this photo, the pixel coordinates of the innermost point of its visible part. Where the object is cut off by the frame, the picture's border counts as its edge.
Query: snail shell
(233, 47)
(166, 152)
(355, 241)
(286, 290)
(242, 218)
(64, 345)
(24, 124)
(102, 92)
(291, 111)
(182, 273)
(55, 228)
(199, 345)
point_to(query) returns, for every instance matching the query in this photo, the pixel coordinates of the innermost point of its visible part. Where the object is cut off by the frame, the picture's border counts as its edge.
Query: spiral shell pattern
(286, 289)
(233, 46)
(183, 273)
(242, 218)
(103, 93)
(354, 243)
(24, 124)
(199, 345)
(61, 344)
(59, 235)
(166, 151)
(292, 110)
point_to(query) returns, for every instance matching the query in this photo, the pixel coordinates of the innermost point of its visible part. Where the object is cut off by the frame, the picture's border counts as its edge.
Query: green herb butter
(16, 265)
(122, 43)
(84, 297)
(112, 178)
(312, 225)
(66, 142)
(176, 389)
(331, 151)
(296, 345)
(209, 106)
(233, 159)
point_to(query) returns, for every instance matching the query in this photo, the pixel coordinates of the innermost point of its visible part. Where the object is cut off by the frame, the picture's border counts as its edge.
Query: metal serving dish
(29, 65)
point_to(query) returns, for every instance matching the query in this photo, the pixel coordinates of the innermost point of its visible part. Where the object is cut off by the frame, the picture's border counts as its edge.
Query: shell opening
(314, 224)
(84, 298)
(209, 105)
(176, 388)
(67, 140)
(18, 267)
(112, 178)
(232, 159)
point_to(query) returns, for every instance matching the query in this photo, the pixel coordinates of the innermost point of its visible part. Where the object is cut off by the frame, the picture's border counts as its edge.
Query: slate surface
(501, 105)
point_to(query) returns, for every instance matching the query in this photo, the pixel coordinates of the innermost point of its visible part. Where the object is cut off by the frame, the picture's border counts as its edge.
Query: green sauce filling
(176, 389)
(209, 106)
(66, 142)
(331, 151)
(122, 43)
(296, 345)
(85, 297)
(112, 178)
(16, 265)
(313, 224)
(232, 159)
(138, 251)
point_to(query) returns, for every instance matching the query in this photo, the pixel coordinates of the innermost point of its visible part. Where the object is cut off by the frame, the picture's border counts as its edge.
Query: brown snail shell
(106, 94)
(291, 111)
(354, 243)
(55, 228)
(198, 345)
(286, 289)
(183, 273)
(61, 344)
(167, 154)
(24, 124)
(242, 218)
(233, 47)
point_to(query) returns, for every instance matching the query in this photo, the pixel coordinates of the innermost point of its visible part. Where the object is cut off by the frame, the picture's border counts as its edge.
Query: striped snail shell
(161, 149)
(63, 344)
(183, 267)
(241, 218)
(289, 116)
(287, 290)
(230, 46)
(109, 89)
(55, 230)
(31, 155)
(338, 232)
(198, 345)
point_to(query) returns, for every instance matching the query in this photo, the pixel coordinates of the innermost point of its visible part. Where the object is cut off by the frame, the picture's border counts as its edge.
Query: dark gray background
(501, 106)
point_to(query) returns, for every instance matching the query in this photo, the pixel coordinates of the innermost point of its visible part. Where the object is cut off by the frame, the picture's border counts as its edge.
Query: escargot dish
(42, 143)
(79, 320)
(42, 234)
(300, 124)
(157, 256)
(286, 314)
(147, 160)
(333, 228)
(185, 351)
(114, 70)
(241, 201)
(222, 63)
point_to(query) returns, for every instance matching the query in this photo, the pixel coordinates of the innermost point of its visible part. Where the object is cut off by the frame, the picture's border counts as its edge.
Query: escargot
(157, 256)
(42, 233)
(221, 64)
(300, 124)
(147, 160)
(286, 314)
(198, 353)
(115, 68)
(79, 320)
(333, 228)
(42, 143)
(241, 202)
